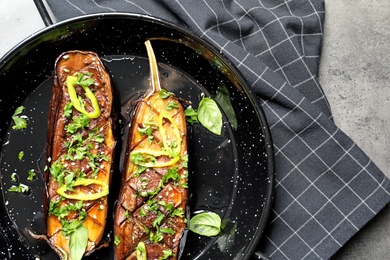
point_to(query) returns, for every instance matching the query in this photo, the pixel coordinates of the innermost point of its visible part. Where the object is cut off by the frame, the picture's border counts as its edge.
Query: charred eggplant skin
(150, 214)
(80, 147)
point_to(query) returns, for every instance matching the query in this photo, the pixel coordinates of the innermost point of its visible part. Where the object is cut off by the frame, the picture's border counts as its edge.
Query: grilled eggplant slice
(149, 217)
(79, 154)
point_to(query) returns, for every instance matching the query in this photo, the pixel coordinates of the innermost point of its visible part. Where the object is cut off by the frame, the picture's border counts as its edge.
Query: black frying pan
(231, 174)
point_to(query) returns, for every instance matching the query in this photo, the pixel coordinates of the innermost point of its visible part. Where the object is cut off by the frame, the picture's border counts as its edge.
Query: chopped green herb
(156, 237)
(14, 177)
(84, 81)
(20, 155)
(152, 205)
(167, 206)
(98, 139)
(148, 130)
(167, 254)
(179, 212)
(68, 110)
(31, 175)
(191, 115)
(172, 105)
(20, 122)
(117, 240)
(167, 230)
(164, 93)
(68, 227)
(172, 174)
(158, 220)
(142, 212)
(140, 170)
(79, 122)
(61, 212)
(184, 162)
(69, 180)
(58, 170)
(21, 188)
(140, 159)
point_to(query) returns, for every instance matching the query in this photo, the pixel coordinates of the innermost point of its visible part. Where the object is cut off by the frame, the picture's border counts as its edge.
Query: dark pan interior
(231, 174)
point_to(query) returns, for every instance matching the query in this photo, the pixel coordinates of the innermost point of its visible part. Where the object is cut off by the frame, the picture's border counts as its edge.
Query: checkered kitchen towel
(326, 187)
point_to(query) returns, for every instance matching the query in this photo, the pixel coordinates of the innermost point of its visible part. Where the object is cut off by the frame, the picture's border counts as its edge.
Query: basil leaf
(223, 99)
(206, 224)
(78, 242)
(210, 116)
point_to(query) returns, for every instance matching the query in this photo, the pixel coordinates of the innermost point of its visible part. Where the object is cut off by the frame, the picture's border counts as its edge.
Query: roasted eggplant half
(80, 148)
(150, 214)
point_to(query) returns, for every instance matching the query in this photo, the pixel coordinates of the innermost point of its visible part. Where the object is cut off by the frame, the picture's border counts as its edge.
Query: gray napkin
(326, 187)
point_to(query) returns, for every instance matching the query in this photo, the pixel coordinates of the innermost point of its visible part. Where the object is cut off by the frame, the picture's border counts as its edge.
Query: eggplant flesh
(79, 151)
(149, 218)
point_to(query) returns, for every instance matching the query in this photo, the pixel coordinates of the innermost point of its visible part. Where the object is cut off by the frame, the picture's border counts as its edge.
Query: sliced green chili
(153, 153)
(81, 195)
(140, 251)
(71, 81)
(164, 137)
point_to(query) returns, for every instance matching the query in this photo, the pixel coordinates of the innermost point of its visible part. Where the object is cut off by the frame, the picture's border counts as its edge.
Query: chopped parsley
(68, 227)
(79, 122)
(148, 131)
(21, 188)
(19, 121)
(167, 230)
(14, 177)
(191, 115)
(31, 175)
(167, 254)
(68, 110)
(156, 237)
(179, 212)
(84, 81)
(61, 212)
(164, 93)
(20, 155)
(117, 240)
(158, 220)
(172, 105)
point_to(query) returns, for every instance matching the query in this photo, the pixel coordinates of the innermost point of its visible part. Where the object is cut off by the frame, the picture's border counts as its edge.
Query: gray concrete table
(354, 73)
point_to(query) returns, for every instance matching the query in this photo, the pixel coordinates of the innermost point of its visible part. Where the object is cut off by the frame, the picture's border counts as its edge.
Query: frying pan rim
(267, 208)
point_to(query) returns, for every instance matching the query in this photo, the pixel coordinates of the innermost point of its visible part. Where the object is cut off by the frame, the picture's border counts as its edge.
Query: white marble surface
(19, 19)
(355, 68)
